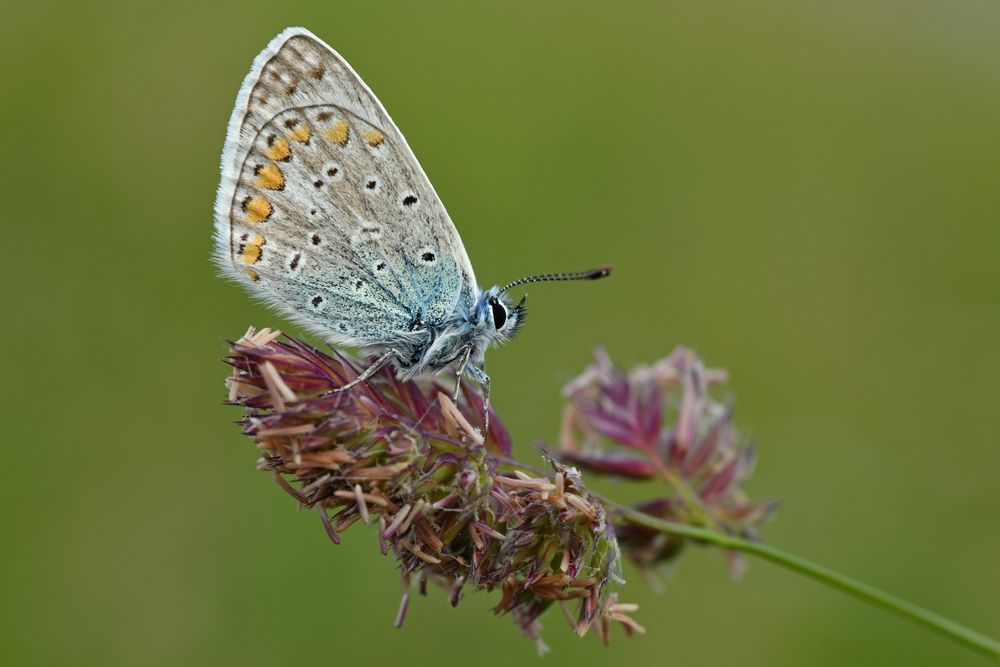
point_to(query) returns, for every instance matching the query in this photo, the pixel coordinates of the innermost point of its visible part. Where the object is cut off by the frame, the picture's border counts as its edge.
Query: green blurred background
(806, 192)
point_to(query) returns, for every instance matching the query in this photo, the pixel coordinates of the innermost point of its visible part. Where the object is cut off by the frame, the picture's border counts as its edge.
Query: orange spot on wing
(337, 133)
(300, 133)
(373, 137)
(253, 275)
(258, 209)
(279, 151)
(270, 178)
(252, 251)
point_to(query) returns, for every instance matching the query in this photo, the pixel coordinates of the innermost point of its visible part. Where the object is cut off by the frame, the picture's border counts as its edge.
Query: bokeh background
(805, 192)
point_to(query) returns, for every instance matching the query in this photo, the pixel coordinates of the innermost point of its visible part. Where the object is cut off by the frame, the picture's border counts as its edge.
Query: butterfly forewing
(323, 210)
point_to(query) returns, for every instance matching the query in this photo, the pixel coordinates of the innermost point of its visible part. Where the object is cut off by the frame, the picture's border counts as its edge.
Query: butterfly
(324, 213)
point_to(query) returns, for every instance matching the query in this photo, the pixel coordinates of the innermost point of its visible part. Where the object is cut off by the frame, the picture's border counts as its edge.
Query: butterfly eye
(499, 314)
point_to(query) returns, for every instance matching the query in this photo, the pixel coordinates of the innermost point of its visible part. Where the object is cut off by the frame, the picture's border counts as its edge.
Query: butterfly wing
(324, 212)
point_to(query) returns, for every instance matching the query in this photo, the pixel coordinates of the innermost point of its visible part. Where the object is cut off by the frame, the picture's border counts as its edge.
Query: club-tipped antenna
(592, 274)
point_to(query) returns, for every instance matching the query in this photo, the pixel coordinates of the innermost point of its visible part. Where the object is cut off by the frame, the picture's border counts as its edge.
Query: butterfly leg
(461, 372)
(480, 376)
(378, 365)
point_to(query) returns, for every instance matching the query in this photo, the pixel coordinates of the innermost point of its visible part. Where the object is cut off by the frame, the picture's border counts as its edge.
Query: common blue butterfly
(324, 213)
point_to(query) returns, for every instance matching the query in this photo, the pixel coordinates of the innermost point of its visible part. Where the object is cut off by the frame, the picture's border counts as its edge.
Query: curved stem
(976, 641)
(687, 494)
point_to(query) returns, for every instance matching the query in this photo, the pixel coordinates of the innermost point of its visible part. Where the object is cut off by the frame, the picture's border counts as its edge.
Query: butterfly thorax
(458, 340)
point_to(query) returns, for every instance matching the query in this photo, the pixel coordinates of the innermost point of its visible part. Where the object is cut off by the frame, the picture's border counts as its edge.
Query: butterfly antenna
(593, 274)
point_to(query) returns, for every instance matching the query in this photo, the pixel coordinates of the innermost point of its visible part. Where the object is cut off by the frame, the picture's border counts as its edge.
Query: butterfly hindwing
(323, 210)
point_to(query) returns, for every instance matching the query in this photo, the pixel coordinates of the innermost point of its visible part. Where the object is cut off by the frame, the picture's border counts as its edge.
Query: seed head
(405, 459)
(661, 422)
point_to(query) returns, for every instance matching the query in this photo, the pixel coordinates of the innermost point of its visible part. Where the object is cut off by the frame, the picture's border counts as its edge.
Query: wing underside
(324, 212)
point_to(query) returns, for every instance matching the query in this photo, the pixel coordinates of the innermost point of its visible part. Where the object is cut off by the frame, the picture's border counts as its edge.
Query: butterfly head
(498, 320)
